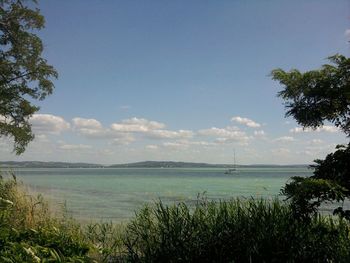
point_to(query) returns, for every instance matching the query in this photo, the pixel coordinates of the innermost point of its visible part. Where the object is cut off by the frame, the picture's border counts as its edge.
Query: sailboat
(234, 169)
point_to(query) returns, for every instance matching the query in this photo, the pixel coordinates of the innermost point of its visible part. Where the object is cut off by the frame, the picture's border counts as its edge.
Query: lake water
(115, 194)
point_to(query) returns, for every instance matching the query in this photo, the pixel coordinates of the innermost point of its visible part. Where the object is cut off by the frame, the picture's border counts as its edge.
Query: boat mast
(234, 158)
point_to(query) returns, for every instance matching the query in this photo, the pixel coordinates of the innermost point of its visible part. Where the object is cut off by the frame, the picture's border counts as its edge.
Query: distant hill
(35, 164)
(166, 164)
(145, 164)
(171, 164)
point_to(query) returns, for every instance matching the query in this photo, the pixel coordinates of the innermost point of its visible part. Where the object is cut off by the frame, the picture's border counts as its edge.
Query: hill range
(145, 164)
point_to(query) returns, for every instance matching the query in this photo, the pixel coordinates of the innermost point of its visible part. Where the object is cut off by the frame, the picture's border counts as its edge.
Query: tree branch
(18, 77)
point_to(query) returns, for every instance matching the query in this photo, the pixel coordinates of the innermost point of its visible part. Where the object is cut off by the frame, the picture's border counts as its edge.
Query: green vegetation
(25, 75)
(330, 182)
(313, 98)
(319, 95)
(234, 231)
(227, 231)
(28, 233)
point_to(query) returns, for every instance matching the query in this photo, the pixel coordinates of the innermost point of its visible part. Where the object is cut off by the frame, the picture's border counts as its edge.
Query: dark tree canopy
(312, 98)
(329, 182)
(319, 95)
(24, 75)
(335, 167)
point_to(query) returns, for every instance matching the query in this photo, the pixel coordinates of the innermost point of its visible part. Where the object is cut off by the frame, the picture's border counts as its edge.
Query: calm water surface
(115, 194)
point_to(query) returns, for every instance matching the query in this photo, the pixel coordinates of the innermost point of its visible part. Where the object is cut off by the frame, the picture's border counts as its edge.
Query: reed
(234, 231)
(107, 240)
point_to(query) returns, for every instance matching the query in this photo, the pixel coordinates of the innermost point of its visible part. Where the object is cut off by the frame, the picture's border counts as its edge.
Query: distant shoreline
(146, 164)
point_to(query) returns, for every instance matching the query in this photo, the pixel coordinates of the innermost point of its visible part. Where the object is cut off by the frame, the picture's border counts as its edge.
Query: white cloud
(41, 138)
(185, 144)
(299, 130)
(150, 129)
(318, 150)
(219, 132)
(285, 139)
(137, 125)
(122, 132)
(86, 123)
(347, 33)
(247, 122)
(91, 128)
(140, 121)
(259, 133)
(211, 144)
(47, 123)
(166, 134)
(201, 143)
(316, 141)
(325, 128)
(175, 145)
(227, 135)
(124, 139)
(97, 133)
(280, 151)
(152, 147)
(73, 147)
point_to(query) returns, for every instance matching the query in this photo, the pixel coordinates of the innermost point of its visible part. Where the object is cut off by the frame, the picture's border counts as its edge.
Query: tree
(312, 98)
(24, 75)
(320, 95)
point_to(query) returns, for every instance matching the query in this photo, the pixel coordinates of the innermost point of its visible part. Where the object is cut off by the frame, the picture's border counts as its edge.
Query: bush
(234, 231)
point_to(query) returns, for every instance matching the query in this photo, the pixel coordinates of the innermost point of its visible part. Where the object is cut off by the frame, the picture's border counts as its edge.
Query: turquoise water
(115, 194)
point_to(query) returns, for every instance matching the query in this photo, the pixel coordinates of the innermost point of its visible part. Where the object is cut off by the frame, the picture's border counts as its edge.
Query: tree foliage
(335, 167)
(329, 182)
(319, 95)
(312, 98)
(308, 193)
(24, 74)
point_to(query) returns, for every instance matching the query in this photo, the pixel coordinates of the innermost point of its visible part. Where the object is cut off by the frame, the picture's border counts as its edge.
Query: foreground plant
(107, 241)
(28, 232)
(234, 231)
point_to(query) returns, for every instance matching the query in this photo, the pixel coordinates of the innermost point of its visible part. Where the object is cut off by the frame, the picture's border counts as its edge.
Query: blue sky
(181, 80)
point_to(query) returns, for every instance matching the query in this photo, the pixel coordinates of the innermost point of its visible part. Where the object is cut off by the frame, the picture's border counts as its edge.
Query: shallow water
(115, 194)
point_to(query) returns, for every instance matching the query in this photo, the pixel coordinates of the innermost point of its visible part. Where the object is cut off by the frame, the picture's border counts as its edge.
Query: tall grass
(107, 239)
(234, 231)
(28, 232)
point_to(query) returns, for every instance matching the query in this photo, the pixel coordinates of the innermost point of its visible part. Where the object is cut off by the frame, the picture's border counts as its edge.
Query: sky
(181, 80)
